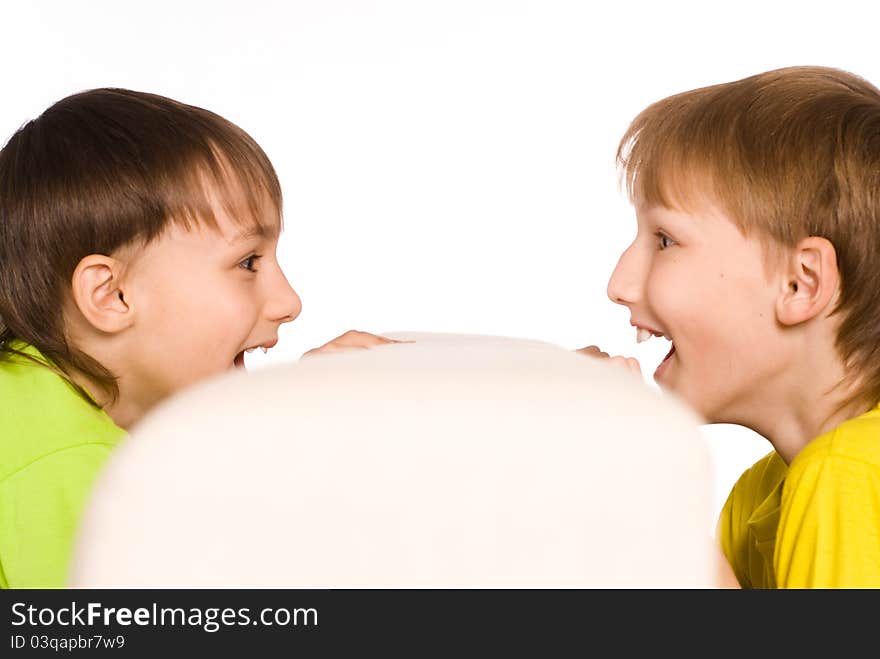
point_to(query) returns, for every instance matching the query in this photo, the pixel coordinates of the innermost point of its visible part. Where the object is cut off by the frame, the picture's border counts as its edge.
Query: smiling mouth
(645, 333)
(238, 362)
(661, 368)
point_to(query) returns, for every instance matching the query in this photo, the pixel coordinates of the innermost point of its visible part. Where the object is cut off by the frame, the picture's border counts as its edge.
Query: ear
(96, 286)
(810, 281)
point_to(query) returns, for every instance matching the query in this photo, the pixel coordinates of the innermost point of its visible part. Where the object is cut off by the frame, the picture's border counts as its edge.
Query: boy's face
(200, 298)
(693, 277)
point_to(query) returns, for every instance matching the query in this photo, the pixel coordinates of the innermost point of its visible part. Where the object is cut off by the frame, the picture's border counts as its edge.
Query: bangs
(675, 174)
(699, 149)
(248, 193)
(673, 153)
(665, 175)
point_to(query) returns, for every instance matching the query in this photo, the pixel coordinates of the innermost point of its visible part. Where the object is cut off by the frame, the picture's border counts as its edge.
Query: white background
(447, 166)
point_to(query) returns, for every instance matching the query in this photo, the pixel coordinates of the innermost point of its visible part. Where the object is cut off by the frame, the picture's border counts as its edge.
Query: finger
(356, 338)
(629, 363)
(592, 351)
(313, 352)
(331, 348)
(598, 354)
(351, 339)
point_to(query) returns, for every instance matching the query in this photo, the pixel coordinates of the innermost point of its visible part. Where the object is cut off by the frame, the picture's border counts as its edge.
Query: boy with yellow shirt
(137, 257)
(758, 255)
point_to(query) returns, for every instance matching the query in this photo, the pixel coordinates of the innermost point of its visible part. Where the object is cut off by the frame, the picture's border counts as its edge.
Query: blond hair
(787, 154)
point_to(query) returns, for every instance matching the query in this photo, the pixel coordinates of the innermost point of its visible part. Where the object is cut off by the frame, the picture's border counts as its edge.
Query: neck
(130, 404)
(125, 410)
(800, 404)
(790, 432)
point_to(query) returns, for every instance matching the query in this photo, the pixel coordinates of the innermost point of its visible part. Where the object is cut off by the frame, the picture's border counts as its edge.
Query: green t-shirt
(52, 445)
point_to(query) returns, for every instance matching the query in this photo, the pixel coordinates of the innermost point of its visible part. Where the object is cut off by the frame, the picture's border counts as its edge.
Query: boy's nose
(625, 286)
(284, 304)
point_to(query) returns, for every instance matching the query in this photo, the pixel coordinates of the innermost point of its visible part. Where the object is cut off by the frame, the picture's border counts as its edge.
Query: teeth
(643, 335)
(249, 350)
(264, 349)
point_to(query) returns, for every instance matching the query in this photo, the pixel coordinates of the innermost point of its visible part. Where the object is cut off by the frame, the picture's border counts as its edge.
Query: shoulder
(65, 469)
(854, 443)
(841, 465)
(752, 500)
(830, 510)
(750, 491)
(43, 416)
(759, 480)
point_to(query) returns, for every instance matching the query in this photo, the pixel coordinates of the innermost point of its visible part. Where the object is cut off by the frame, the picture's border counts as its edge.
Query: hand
(352, 340)
(629, 363)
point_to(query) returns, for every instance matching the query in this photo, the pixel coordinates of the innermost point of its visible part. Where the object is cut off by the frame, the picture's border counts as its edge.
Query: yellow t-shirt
(814, 523)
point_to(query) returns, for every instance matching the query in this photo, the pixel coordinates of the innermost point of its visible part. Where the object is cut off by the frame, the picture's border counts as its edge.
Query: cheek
(678, 297)
(206, 326)
(699, 306)
(227, 320)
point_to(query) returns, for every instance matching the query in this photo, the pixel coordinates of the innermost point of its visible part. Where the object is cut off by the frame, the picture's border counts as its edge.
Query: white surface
(450, 462)
(447, 166)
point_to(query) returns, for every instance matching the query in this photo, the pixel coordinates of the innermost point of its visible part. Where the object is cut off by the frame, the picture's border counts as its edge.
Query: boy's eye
(250, 262)
(664, 240)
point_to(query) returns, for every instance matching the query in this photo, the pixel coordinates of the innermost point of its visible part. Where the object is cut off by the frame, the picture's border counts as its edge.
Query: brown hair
(99, 170)
(787, 154)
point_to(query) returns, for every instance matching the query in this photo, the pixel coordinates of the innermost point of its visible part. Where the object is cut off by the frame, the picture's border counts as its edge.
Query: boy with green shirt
(137, 257)
(45, 478)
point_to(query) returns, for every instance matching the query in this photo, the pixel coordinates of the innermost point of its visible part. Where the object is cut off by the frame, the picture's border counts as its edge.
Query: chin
(706, 411)
(694, 401)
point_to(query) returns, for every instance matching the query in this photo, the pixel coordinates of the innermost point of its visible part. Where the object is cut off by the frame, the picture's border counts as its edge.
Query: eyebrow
(668, 217)
(256, 231)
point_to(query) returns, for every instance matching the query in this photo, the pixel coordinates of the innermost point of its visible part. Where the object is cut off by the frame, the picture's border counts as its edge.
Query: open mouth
(664, 364)
(238, 362)
(645, 333)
